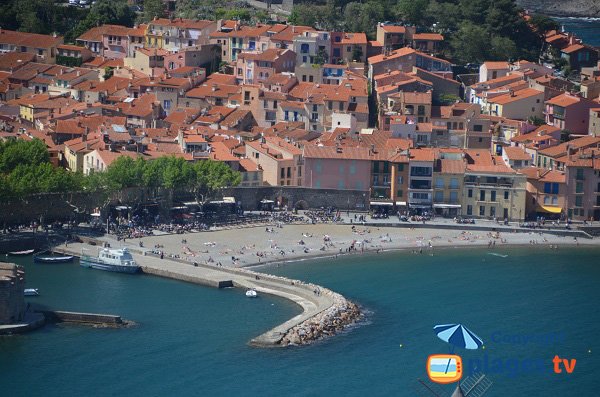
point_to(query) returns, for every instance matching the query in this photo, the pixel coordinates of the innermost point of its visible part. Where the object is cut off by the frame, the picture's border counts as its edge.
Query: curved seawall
(324, 312)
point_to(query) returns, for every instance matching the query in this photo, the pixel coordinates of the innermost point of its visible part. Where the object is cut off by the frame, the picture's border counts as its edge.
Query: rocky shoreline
(329, 322)
(563, 8)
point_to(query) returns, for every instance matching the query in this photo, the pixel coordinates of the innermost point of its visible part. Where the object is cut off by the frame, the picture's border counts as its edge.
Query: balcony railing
(490, 185)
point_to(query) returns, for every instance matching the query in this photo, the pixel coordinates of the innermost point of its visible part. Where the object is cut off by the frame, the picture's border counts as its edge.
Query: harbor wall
(299, 197)
(86, 318)
(224, 283)
(12, 300)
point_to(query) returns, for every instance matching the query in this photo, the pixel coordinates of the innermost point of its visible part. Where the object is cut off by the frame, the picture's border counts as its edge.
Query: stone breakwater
(329, 322)
(324, 312)
(338, 313)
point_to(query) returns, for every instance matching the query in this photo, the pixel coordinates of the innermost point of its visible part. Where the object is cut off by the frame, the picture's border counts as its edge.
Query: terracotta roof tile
(428, 36)
(515, 153)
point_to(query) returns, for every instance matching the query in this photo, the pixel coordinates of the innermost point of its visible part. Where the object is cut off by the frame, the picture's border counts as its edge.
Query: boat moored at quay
(112, 260)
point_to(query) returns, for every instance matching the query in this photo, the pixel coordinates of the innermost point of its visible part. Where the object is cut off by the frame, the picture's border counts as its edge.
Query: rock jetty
(329, 322)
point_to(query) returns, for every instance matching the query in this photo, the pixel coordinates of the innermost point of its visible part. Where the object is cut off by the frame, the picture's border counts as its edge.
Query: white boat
(53, 259)
(251, 293)
(26, 252)
(112, 260)
(31, 292)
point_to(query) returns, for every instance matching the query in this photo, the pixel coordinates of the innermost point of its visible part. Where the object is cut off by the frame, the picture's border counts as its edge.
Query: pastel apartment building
(517, 105)
(44, 47)
(72, 55)
(405, 59)
(113, 41)
(393, 37)
(330, 167)
(493, 70)
(555, 157)
(448, 179)
(427, 42)
(390, 177)
(494, 191)
(176, 34)
(256, 67)
(582, 173)
(546, 193)
(570, 112)
(281, 162)
(353, 48)
(420, 183)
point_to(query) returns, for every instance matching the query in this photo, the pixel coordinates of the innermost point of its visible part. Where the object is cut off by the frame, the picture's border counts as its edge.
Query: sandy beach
(242, 247)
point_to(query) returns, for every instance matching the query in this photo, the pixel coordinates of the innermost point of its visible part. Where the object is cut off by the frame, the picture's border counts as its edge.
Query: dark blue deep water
(191, 340)
(587, 29)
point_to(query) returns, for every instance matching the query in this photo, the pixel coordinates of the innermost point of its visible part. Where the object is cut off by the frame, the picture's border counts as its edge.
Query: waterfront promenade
(222, 257)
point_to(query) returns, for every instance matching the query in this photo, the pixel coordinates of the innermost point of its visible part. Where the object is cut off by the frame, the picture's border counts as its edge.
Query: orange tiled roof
(428, 36)
(515, 153)
(393, 55)
(496, 65)
(564, 100)
(572, 48)
(515, 96)
(28, 39)
(449, 166)
(393, 29)
(354, 38)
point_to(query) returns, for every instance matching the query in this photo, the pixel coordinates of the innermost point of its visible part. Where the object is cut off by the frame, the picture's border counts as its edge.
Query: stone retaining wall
(300, 197)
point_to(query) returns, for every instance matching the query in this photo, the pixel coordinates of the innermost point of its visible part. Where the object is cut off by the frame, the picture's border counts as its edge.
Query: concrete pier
(315, 301)
(83, 318)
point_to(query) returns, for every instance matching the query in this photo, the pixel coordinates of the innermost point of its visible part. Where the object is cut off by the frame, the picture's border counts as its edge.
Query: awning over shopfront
(447, 206)
(381, 203)
(401, 203)
(549, 209)
(420, 206)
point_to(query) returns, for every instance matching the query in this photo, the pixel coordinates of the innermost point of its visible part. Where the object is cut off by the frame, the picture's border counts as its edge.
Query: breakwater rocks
(329, 322)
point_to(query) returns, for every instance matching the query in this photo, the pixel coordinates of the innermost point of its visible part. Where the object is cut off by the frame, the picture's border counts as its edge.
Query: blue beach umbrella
(458, 335)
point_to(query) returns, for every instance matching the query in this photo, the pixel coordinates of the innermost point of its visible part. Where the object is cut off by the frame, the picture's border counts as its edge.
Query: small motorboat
(251, 293)
(53, 259)
(31, 292)
(17, 253)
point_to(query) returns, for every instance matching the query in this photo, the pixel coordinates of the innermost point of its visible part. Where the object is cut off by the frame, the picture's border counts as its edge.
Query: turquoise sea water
(588, 29)
(191, 340)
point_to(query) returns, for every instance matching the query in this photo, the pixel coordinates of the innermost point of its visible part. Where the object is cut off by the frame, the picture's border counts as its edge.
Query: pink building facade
(337, 168)
(254, 68)
(569, 112)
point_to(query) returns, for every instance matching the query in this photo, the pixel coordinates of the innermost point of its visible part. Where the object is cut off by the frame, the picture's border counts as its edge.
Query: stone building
(12, 301)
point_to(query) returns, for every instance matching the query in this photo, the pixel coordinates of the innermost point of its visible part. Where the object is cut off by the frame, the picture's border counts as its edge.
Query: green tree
(153, 9)
(303, 15)
(542, 23)
(363, 17)
(412, 11)
(240, 14)
(474, 11)
(503, 48)
(538, 121)
(19, 152)
(113, 12)
(470, 43)
(445, 15)
(212, 176)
